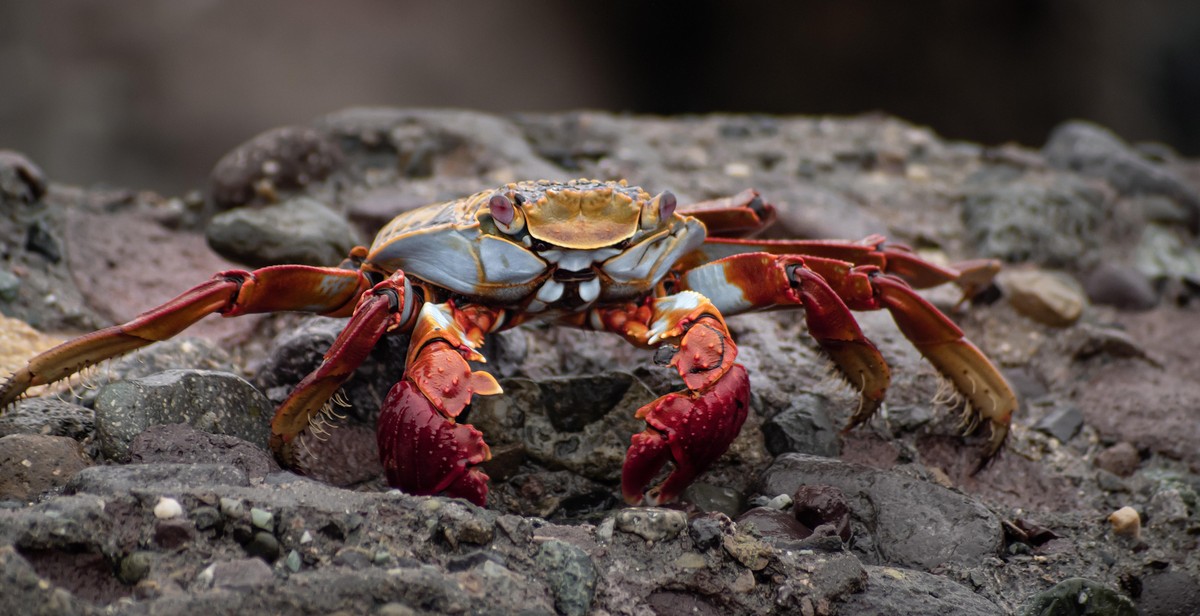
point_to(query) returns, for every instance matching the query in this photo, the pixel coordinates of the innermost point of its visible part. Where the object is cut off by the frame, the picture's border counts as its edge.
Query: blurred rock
(709, 498)
(1095, 151)
(272, 163)
(1062, 422)
(1045, 297)
(1121, 459)
(20, 179)
(1052, 221)
(301, 231)
(1119, 286)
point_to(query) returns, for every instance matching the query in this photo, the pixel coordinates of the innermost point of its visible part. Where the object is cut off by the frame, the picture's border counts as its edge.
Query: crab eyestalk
(506, 215)
(660, 208)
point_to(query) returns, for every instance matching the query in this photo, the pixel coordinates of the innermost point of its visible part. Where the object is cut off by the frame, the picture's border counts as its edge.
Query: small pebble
(306, 538)
(1045, 297)
(232, 507)
(1121, 459)
(1120, 286)
(167, 508)
(293, 561)
(781, 502)
(1126, 522)
(262, 519)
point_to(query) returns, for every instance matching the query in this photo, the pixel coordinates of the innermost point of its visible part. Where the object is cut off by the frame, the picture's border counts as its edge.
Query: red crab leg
(388, 306)
(741, 215)
(756, 281)
(691, 428)
(422, 449)
(892, 258)
(329, 291)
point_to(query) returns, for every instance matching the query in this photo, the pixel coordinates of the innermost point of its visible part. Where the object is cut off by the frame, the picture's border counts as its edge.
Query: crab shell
(566, 246)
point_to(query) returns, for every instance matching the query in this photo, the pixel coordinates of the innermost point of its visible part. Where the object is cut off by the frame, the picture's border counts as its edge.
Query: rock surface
(798, 517)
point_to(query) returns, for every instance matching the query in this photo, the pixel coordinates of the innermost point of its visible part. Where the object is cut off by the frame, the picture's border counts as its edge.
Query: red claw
(423, 452)
(692, 430)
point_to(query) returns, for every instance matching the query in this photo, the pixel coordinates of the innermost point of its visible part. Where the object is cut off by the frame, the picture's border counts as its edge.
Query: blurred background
(149, 94)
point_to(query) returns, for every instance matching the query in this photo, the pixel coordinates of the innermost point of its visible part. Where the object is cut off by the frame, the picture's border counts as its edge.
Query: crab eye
(660, 208)
(502, 209)
(508, 217)
(666, 205)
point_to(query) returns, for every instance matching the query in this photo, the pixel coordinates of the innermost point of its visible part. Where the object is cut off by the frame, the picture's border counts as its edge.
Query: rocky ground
(144, 485)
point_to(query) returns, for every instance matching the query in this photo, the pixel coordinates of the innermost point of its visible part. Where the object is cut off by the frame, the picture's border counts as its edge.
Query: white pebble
(167, 508)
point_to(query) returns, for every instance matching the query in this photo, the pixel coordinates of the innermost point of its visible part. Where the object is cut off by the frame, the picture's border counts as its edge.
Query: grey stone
(300, 230)
(20, 179)
(49, 416)
(570, 574)
(242, 574)
(912, 523)
(589, 437)
(1050, 221)
(1046, 297)
(891, 590)
(168, 443)
(179, 353)
(281, 159)
(1120, 286)
(708, 498)
(1079, 597)
(10, 286)
(1169, 593)
(651, 523)
(216, 402)
(1095, 151)
(31, 464)
(805, 426)
(105, 480)
(1063, 422)
(1167, 253)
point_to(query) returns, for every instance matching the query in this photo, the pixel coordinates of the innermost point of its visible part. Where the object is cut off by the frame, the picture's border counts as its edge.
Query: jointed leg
(828, 289)
(330, 291)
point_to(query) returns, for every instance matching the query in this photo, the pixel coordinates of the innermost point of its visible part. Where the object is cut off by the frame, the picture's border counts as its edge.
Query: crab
(589, 254)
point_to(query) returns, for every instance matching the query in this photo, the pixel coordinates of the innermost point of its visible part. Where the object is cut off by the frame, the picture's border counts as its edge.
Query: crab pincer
(691, 428)
(423, 452)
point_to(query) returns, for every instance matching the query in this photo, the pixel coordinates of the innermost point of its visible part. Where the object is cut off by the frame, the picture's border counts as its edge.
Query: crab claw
(690, 429)
(423, 452)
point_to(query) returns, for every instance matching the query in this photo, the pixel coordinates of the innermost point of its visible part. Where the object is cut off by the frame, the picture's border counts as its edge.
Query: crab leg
(330, 291)
(423, 449)
(741, 215)
(755, 281)
(892, 258)
(691, 428)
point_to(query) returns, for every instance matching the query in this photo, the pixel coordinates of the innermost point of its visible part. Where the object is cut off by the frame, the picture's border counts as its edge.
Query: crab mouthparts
(564, 275)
